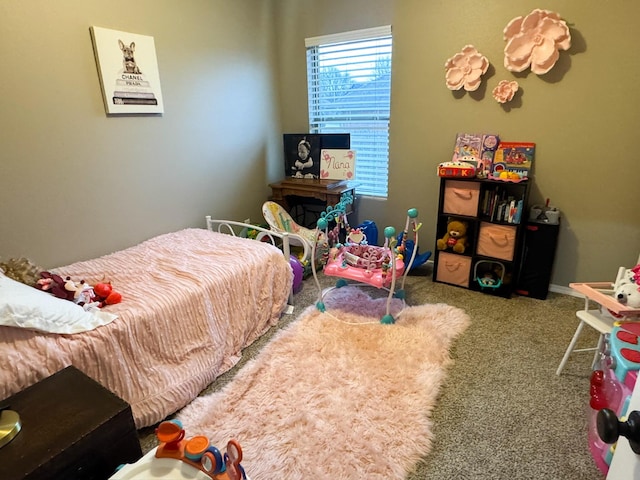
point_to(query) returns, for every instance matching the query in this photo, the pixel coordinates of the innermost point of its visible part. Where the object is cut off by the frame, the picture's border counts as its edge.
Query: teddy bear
(455, 238)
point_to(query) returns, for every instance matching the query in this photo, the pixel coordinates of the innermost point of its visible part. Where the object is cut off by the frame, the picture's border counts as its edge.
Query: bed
(191, 301)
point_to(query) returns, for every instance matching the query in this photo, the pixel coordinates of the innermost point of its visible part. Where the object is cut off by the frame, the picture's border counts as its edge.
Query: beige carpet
(502, 413)
(337, 395)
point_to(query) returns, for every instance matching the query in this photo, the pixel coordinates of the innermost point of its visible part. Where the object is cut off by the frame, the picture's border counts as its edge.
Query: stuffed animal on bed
(85, 295)
(55, 285)
(21, 270)
(105, 294)
(455, 238)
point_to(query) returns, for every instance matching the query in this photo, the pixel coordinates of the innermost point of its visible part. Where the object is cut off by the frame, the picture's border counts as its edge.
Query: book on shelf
(490, 144)
(477, 149)
(517, 217)
(498, 206)
(512, 211)
(515, 158)
(468, 148)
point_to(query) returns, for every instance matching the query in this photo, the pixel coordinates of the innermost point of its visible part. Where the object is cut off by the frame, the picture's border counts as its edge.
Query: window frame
(372, 163)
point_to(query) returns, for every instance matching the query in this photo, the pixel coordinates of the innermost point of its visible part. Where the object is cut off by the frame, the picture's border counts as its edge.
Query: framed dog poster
(128, 71)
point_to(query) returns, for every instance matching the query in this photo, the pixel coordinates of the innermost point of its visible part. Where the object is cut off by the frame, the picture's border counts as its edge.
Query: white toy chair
(596, 320)
(594, 317)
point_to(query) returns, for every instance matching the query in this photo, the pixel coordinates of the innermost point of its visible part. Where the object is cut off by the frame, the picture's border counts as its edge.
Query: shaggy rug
(337, 394)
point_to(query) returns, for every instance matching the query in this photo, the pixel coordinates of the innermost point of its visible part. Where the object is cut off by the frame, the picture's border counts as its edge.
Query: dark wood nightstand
(72, 428)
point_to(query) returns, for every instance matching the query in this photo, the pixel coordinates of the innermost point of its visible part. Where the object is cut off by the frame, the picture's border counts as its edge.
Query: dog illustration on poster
(128, 71)
(132, 87)
(128, 60)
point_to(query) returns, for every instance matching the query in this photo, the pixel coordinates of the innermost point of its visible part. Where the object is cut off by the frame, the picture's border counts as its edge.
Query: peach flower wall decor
(505, 91)
(465, 68)
(535, 40)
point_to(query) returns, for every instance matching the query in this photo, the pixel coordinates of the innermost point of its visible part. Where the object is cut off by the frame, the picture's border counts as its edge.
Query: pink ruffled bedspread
(191, 301)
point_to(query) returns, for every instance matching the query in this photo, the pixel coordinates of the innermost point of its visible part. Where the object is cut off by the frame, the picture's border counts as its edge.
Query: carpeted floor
(502, 413)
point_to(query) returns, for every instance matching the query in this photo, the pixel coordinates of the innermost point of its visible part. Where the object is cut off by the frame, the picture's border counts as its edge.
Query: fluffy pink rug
(336, 395)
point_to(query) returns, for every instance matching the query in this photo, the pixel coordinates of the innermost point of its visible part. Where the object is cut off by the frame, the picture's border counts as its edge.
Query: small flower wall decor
(465, 68)
(536, 41)
(505, 91)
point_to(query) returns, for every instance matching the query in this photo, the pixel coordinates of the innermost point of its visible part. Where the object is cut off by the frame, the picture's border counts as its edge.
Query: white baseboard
(564, 290)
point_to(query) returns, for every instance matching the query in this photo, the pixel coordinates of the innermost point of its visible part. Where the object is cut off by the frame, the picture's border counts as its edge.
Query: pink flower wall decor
(535, 40)
(465, 68)
(505, 91)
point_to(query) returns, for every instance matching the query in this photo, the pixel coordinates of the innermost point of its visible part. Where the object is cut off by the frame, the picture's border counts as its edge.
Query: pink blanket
(191, 300)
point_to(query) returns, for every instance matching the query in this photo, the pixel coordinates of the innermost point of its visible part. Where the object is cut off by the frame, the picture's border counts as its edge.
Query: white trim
(348, 36)
(565, 290)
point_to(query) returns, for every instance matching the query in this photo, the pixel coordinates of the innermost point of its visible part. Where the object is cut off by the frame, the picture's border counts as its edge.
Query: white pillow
(27, 307)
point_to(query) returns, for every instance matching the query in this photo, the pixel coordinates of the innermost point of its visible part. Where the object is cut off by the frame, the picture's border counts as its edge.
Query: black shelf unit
(494, 212)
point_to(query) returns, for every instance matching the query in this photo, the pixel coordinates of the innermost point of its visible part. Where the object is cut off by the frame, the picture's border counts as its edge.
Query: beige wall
(75, 183)
(583, 115)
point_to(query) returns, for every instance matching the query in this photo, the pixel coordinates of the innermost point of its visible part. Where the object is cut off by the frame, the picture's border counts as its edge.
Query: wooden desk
(327, 191)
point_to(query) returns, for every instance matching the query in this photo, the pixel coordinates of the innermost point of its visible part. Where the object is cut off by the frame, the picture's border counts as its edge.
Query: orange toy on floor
(198, 452)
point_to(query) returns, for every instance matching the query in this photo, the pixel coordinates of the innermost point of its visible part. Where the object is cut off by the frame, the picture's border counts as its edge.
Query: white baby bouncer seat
(280, 221)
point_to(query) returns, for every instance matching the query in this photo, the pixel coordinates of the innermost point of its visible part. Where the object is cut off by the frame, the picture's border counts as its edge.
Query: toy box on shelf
(456, 169)
(513, 161)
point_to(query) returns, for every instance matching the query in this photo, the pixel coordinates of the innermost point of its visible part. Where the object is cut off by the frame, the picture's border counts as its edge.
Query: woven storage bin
(454, 269)
(497, 241)
(461, 198)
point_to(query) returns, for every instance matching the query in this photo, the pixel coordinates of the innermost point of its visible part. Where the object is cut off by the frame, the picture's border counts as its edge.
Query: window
(349, 85)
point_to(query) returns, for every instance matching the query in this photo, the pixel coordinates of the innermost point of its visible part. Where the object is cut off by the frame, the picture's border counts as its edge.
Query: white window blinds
(349, 86)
